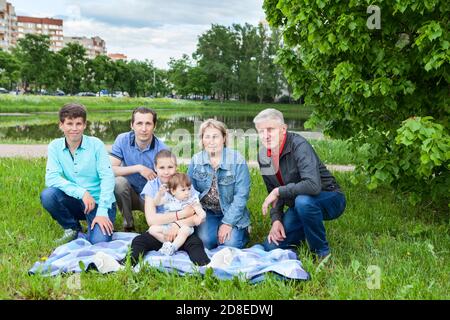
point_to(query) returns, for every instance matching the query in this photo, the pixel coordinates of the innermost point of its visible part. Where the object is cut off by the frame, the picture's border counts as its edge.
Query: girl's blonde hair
(212, 123)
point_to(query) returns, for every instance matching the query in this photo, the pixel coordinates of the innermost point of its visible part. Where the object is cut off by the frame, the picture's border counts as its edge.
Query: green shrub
(365, 83)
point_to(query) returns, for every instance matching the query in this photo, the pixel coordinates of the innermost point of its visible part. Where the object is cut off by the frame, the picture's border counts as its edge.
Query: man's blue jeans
(208, 231)
(305, 221)
(68, 211)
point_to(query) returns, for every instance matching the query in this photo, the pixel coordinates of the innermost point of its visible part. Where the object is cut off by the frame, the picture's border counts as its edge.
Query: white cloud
(157, 44)
(145, 29)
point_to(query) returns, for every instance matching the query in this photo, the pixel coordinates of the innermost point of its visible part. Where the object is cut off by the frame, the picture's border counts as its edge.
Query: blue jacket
(233, 180)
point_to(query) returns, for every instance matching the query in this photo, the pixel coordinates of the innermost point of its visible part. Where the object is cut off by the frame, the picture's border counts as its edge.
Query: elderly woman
(221, 176)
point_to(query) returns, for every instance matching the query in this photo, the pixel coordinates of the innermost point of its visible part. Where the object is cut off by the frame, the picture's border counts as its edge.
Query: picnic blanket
(250, 264)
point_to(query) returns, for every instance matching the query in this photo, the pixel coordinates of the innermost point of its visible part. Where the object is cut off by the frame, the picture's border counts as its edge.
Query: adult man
(132, 159)
(295, 176)
(79, 180)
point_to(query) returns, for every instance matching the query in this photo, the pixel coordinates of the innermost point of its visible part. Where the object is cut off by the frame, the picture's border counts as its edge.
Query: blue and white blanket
(250, 264)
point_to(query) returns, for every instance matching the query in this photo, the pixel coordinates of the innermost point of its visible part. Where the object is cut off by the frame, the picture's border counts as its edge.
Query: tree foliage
(373, 85)
(231, 62)
(33, 66)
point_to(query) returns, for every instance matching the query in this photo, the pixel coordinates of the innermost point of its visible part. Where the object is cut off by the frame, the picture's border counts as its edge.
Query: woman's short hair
(269, 114)
(212, 123)
(164, 154)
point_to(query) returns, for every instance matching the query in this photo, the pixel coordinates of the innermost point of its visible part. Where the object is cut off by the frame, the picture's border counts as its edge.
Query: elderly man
(132, 159)
(295, 176)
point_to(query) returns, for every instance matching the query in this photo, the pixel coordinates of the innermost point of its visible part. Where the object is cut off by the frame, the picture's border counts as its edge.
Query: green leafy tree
(98, 70)
(367, 82)
(178, 75)
(76, 74)
(269, 74)
(249, 60)
(160, 85)
(9, 70)
(57, 69)
(198, 81)
(33, 53)
(217, 55)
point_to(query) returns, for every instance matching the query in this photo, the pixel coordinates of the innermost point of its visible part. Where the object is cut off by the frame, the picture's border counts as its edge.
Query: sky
(144, 29)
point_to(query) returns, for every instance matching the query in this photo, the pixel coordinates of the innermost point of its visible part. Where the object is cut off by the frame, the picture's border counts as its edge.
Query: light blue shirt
(126, 150)
(88, 170)
(151, 188)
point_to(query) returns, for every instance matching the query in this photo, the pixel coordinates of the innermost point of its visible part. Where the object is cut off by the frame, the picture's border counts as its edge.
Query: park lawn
(407, 244)
(30, 103)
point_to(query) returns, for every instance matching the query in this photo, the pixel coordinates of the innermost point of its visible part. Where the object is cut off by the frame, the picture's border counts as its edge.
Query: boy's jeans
(68, 211)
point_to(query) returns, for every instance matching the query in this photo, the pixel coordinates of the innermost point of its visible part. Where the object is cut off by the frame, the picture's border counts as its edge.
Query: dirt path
(40, 151)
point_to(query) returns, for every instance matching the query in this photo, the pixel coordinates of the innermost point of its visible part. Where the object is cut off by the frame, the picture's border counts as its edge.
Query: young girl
(173, 197)
(165, 167)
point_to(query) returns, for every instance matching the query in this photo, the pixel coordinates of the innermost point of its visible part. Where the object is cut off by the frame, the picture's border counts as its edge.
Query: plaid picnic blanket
(250, 264)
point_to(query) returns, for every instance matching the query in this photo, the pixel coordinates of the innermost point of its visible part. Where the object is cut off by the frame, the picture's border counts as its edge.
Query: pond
(44, 127)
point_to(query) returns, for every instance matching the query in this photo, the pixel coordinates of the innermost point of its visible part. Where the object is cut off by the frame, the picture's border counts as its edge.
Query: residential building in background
(8, 25)
(94, 46)
(53, 28)
(117, 56)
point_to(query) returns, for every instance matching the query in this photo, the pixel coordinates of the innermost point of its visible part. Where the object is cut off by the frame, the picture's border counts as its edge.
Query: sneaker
(106, 263)
(69, 235)
(167, 249)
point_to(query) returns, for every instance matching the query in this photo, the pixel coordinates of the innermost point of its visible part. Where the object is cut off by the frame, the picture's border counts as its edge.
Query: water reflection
(108, 130)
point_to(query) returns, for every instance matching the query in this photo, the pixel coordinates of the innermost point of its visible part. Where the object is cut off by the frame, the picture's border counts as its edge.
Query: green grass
(329, 151)
(26, 104)
(410, 246)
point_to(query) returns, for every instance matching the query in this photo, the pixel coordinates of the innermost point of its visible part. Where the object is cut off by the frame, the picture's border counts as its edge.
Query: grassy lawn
(25, 104)
(409, 246)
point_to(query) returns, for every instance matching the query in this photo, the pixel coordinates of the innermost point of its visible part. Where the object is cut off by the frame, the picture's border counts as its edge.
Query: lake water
(108, 129)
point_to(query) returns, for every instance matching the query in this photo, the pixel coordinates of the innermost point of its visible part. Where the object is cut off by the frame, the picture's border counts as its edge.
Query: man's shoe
(69, 235)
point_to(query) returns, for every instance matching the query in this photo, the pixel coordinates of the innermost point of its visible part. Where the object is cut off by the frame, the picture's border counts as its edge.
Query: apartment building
(53, 28)
(94, 46)
(8, 25)
(117, 56)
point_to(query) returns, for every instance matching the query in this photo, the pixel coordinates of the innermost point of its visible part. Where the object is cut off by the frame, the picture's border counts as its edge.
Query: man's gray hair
(269, 114)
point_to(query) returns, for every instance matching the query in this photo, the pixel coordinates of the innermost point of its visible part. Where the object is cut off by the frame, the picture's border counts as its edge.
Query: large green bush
(386, 88)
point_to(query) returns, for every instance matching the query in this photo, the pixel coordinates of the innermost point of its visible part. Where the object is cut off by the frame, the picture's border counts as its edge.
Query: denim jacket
(233, 179)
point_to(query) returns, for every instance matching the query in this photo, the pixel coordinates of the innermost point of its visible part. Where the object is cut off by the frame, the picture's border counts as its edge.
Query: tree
(161, 85)
(179, 74)
(99, 72)
(386, 88)
(34, 55)
(76, 75)
(269, 74)
(217, 55)
(249, 60)
(9, 70)
(57, 69)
